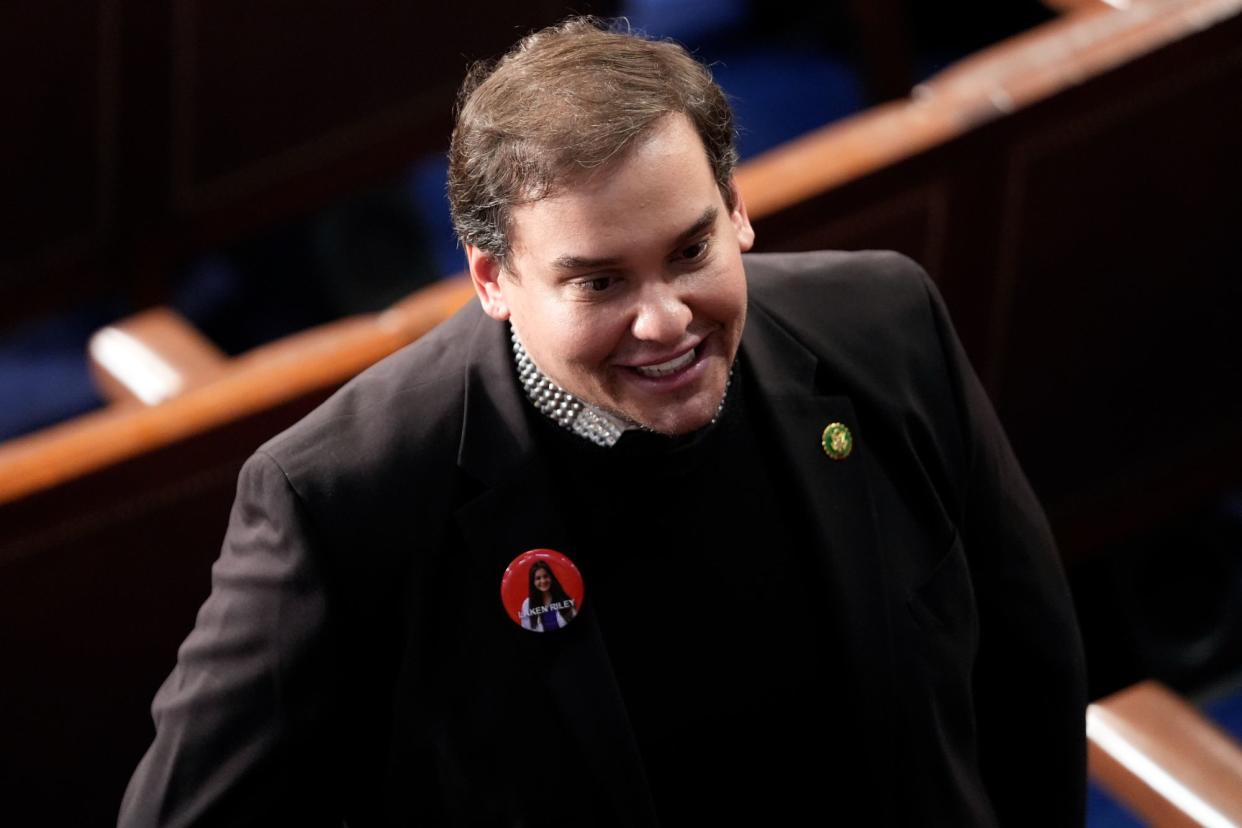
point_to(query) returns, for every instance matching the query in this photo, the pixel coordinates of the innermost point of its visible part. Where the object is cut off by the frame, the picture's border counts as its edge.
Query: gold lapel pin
(837, 441)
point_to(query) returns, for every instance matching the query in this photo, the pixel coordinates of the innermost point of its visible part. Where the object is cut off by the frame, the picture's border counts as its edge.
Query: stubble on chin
(708, 413)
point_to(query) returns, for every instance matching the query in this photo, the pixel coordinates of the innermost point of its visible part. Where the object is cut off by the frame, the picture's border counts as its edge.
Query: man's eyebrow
(706, 220)
(568, 262)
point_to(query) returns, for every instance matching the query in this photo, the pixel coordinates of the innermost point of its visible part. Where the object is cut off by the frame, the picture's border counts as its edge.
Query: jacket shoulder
(865, 285)
(402, 414)
(872, 309)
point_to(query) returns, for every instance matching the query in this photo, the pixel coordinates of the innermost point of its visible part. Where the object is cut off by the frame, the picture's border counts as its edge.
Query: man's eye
(692, 252)
(599, 284)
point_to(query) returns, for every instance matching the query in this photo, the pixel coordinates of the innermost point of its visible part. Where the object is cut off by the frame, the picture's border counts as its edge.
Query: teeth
(670, 367)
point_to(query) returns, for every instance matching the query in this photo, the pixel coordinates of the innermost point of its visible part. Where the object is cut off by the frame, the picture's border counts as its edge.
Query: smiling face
(542, 579)
(627, 288)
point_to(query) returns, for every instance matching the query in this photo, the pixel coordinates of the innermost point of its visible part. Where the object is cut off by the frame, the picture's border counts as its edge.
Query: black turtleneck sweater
(699, 567)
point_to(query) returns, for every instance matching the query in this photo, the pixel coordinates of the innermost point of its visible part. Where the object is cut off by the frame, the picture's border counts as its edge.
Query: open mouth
(665, 369)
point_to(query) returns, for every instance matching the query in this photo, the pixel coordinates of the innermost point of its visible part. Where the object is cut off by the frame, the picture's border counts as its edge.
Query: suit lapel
(838, 501)
(515, 513)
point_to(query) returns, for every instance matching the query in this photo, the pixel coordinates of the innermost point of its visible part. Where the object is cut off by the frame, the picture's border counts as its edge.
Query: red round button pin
(541, 590)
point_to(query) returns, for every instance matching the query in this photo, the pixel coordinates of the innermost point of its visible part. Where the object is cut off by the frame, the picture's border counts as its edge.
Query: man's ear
(485, 276)
(741, 221)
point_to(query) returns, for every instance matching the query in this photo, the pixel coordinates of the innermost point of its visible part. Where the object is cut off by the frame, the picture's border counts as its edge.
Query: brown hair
(564, 102)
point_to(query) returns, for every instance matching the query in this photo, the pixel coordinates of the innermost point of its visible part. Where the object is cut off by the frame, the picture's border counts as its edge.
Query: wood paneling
(1074, 192)
(148, 131)
(59, 145)
(1124, 305)
(108, 528)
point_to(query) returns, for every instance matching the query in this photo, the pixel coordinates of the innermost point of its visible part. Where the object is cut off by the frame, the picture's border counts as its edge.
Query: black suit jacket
(354, 662)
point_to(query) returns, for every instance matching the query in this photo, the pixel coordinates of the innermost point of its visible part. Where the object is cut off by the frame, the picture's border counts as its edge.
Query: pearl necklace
(563, 408)
(566, 410)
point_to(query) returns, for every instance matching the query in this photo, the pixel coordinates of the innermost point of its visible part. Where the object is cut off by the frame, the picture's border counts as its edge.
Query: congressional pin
(541, 590)
(838, 442)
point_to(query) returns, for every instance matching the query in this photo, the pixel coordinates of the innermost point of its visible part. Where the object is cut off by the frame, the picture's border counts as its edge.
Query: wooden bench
(1075, 192)
(1163, 760)
(109, 525)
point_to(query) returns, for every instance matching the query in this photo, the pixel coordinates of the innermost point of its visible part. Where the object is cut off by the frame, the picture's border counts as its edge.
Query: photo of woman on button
(547, 607)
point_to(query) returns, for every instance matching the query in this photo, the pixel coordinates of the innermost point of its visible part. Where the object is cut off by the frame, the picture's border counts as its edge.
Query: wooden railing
(1071, 191)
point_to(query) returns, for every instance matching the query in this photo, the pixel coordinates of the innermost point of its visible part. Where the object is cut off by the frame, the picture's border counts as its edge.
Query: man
(797, 569)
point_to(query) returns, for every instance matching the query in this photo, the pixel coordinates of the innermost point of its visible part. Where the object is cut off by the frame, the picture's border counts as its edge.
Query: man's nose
(662, 315)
